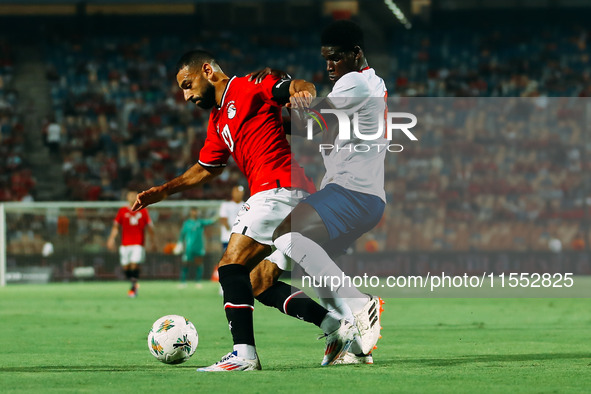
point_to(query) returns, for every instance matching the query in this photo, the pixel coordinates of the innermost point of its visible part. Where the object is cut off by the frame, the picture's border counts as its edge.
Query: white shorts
(262, 213)
(132, 254)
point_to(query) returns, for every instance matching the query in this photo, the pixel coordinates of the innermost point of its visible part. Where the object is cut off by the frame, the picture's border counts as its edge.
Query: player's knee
(229, 260)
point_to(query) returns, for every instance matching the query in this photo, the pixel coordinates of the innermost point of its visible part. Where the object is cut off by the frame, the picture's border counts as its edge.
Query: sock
(135, 275)
(293, 302)
(199, 273)
(184, 270)
(127, 274)
(246, 351)
(330, 323)
(238, 303)
(345, 299)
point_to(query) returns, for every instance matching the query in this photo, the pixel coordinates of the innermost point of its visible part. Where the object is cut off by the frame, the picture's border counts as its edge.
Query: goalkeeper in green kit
(192, 239)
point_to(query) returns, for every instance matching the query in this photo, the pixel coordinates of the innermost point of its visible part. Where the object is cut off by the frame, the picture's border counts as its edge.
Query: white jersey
(363, 93)
(229, 210)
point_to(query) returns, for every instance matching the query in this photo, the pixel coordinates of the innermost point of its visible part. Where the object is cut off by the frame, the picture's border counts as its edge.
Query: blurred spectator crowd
(16, 180)
(529, 59)
(507, 176)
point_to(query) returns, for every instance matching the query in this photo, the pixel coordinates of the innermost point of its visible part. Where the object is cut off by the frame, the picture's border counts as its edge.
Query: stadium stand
(16, 180)
(124, 124)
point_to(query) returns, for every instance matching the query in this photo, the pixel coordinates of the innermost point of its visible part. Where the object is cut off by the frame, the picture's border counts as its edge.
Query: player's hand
(111, 245)
(258, 76)
(148, 197)
(302, 99)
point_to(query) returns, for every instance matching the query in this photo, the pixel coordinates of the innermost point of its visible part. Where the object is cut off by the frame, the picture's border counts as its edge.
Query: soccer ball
(172, 339)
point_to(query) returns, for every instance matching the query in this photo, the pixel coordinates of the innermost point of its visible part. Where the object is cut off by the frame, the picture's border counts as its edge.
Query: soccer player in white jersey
(352, 197)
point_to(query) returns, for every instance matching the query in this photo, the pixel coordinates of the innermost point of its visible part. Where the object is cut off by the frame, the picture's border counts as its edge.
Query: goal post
(2, 246)
(42, 241)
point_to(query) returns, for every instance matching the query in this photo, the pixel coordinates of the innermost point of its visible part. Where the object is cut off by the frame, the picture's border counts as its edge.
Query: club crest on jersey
(245, 207)
(231, 110)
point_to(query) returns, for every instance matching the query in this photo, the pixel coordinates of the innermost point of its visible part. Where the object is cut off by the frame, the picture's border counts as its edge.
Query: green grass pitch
(89, 337)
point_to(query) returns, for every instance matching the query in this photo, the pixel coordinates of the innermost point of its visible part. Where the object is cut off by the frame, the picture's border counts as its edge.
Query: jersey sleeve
(349, 93)
(350, 85)
(209, 222)
(215, 152)
(183, 232)
(119, 217)
(274, 91)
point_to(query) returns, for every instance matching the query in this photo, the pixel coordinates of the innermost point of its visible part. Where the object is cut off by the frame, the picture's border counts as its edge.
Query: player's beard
(207, 100)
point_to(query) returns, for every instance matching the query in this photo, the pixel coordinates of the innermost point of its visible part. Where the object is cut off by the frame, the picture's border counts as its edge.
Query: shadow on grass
(379, 362)
(484, 358)
(91, 368)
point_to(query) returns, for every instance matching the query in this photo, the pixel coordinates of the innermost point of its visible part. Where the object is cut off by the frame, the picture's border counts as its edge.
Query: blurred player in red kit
(131, 252)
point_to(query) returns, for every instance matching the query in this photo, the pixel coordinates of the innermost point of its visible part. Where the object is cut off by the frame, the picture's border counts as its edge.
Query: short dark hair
(194, 59)
(344, 34)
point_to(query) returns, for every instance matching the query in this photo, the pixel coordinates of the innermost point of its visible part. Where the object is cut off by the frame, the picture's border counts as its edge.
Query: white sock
(337, 306)
(330, 323)
(345, 299)
(246, 351)
(356, 346)
(358, 303)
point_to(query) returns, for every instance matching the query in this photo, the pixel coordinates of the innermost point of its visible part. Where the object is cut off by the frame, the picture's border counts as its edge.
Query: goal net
(66, 241)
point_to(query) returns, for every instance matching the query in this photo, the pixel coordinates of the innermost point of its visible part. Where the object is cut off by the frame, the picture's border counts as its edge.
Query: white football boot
(351, 358)
(231, 362)
(368, 324)
(338, 342)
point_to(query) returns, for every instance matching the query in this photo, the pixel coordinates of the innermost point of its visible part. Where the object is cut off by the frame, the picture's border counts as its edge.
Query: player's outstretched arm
(111, 241)
(193, 177)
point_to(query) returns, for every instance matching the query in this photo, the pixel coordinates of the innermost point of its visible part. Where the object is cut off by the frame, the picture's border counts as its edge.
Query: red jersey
(248, 126)
(132, 225)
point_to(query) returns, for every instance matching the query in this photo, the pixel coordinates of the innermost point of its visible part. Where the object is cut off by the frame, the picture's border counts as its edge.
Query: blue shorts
(346, 214)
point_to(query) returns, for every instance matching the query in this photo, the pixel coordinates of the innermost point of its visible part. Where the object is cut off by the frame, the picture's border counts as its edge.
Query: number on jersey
(227, 137)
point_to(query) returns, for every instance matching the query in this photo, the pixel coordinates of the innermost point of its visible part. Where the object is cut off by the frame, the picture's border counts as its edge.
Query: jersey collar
(226, 91)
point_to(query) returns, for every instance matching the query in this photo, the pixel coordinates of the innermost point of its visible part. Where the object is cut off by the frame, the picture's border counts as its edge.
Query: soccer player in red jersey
(131, 252)
(245, 123)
